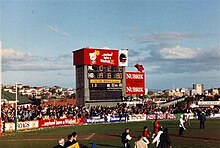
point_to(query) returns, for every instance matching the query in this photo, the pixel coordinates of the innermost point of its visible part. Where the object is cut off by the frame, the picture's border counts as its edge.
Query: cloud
(15, 55)
(16, 60)
(55, 29)
(63, 74)
(37, 67)
(179, 52)
(168, 36)
(165, 59)
(65, 56)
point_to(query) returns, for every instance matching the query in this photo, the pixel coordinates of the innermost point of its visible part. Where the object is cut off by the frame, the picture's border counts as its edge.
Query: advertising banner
(60, 122)
(1, 126)
(9, 127)
(138, 117)
(100, 57)
(95, 56)
(135, 83)
(123, 58)
(160, 116)
(106, 119)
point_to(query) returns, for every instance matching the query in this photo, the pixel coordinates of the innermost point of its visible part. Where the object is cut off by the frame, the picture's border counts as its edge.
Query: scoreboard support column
(86, 84)
(124, 83)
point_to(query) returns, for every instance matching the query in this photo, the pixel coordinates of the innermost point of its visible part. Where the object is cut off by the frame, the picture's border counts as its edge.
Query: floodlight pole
(16, 108)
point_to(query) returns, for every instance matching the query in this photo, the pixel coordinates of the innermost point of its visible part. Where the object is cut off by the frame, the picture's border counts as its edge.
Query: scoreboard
(100, 74)
(105, 82)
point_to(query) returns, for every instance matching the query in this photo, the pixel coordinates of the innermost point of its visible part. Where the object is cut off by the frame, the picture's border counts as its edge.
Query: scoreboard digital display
(105, 72)
(105, 82)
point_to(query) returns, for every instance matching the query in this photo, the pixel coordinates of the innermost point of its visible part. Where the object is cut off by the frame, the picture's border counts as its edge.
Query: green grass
(108, 135)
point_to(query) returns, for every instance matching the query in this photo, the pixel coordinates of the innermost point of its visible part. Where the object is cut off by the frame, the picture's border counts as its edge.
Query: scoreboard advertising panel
(135, 83)
(106, 57)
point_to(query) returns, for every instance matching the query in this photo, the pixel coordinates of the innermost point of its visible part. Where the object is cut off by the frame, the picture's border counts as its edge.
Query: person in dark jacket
(74, 134)
(202, 121)
(70, 140)
(165, 140)
(125, 137)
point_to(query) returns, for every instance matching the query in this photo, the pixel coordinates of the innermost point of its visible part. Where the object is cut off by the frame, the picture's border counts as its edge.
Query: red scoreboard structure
(100, 75)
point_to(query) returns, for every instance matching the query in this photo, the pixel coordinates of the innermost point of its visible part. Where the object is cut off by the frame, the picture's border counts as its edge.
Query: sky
(177, 42)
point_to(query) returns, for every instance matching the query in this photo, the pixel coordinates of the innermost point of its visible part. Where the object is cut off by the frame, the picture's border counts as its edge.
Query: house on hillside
(9, 99)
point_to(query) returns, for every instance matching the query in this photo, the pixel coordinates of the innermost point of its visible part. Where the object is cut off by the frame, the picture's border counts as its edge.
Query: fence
(26, 125)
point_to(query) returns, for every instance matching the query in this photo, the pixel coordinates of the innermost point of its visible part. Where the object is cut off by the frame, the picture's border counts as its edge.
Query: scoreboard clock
(105, 72)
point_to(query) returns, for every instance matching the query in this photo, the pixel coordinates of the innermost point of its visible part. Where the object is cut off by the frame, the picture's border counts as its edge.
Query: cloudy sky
(178, 42)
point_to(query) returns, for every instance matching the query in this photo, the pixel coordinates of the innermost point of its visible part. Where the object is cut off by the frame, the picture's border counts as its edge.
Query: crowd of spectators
(43, 112)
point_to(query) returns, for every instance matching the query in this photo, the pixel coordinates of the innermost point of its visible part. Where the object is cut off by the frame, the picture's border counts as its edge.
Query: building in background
(199, 88)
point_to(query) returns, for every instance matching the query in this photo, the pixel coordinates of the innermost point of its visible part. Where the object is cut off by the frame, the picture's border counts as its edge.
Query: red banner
(135, 83)
(160, 116)
(1, 126)
(108, 57)
(61, 122)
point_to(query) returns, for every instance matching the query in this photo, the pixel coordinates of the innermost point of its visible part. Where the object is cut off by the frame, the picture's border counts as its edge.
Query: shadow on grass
(191, 137)
(112, 135)
(107, 145)
(119, 136)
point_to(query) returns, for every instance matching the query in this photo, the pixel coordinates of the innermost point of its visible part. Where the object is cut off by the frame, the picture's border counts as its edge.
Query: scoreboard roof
(99, 56)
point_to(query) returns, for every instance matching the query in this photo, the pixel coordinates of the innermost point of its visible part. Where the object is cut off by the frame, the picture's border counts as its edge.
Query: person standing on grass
(70, 140)
(74, 134)
(141, 143)
(165, 140)
(61, 143)
(146, 134)
(202, 121)
(156, 128)
(181, 125)
(157, 138)
(125, 138)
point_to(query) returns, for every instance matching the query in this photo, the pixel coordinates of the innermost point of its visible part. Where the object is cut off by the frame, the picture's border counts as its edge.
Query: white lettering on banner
(21, 125)
(134, 76)
(134, 89)
(105, 61)
(59, 122)
(69, 121)
(107, 55)
(49, 123)
(107, 58)
(160, 116)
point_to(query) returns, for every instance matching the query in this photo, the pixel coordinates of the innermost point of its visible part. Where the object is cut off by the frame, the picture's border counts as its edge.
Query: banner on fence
(160, 116)
(60, 122)
(137, 117)
(106, 119)
(9, 127)
(1, 131)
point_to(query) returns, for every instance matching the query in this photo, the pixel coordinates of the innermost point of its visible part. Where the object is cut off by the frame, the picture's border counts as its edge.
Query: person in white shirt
(157, 138)
(61, 143)
(181, 125)
(125, 137)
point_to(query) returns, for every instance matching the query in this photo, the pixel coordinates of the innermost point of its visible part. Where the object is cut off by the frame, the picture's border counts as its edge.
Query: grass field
(108, 135)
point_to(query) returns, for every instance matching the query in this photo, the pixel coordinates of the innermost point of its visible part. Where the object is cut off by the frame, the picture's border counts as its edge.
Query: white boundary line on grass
(90, 136)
